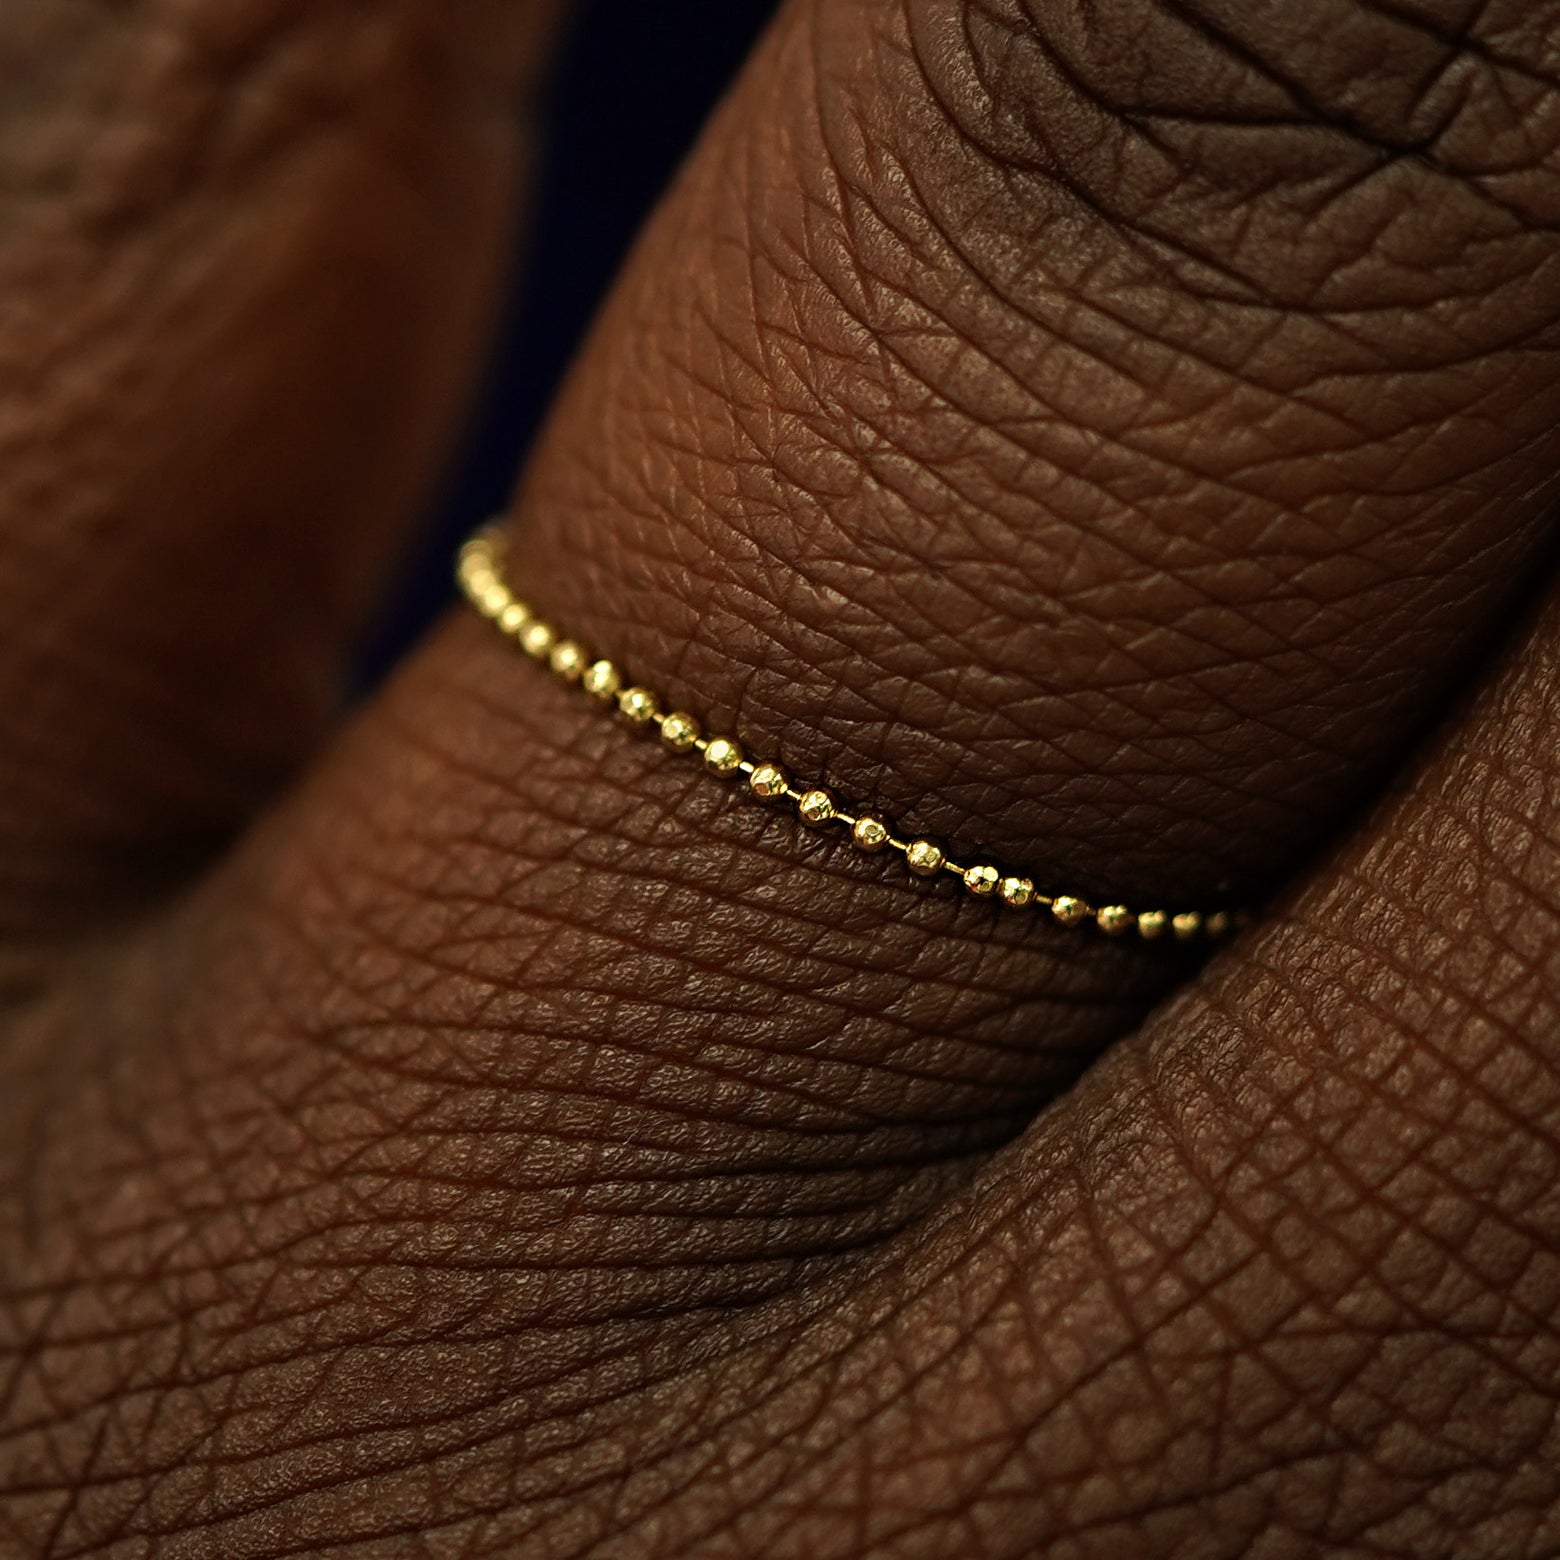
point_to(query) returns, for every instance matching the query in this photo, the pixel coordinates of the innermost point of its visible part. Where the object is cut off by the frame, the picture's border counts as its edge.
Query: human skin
(1120, 439)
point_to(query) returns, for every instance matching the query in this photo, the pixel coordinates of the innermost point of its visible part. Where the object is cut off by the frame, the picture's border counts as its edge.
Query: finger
(248, 256)
(514, 1048)
(1095, 440)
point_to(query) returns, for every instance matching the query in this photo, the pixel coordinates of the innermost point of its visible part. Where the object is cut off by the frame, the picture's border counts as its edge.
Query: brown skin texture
(1107, 436)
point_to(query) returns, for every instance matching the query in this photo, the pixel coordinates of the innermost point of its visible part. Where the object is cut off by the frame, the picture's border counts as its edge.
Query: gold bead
(536, 638)
(768, 782)
(1152, 924)
(514, 617)
(493, 596)
(568, 659)
(816, 808)
(924, 858)
(638, 706)
(723, 757)
(679, 732)
(602, 680)
(1219, 923)
(1187, 925)
(982, 881)
(1067, 910)
(1113, 920)
(869, 834)
(1016, 891)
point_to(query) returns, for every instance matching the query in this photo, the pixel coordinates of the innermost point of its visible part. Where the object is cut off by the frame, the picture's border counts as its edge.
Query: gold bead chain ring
(480, 572)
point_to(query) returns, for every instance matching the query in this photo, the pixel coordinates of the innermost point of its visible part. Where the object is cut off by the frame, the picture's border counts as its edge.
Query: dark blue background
(635, 81)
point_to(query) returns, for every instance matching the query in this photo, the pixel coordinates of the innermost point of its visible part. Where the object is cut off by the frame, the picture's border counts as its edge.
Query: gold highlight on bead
(536, 638)
(817, 808)
(480, 573)
(1016, 891)
(602, 680)
(679, 732)
(768, 782)
(638, 706)
(870, 834)
(568, 659)
(722, 757)
(982, 881)
(489, 593)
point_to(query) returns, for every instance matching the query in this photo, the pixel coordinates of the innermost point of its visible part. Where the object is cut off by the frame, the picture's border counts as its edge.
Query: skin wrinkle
(1198, 475)
(1458, 52)
(1404, 275)
(1138, 234)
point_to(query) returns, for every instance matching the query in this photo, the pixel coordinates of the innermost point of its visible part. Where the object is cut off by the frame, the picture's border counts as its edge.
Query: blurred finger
(247, 258)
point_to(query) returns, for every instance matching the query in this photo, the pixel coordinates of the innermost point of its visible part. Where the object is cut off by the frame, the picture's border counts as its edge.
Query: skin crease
(1104, 436)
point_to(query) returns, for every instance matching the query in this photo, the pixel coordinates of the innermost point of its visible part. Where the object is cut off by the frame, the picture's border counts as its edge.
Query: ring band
(480, 572)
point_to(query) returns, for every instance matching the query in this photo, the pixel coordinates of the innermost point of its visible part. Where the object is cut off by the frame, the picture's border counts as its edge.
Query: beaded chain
(480, 572)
